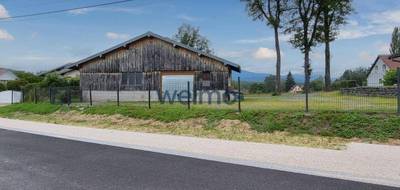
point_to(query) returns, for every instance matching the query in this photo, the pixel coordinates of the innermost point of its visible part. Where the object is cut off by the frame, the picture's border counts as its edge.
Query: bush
(16, 84)
(2, 87)
(56, 80)
(28, 77)
(317, 84)
(390, 78)
(257, 88)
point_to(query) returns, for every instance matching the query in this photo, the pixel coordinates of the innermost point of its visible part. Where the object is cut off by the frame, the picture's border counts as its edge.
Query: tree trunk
(327, 51)
(307, 74)
(278, 63)
(327, 66)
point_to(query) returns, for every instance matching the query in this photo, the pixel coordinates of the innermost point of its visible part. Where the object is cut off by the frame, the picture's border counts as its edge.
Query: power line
(64, 10)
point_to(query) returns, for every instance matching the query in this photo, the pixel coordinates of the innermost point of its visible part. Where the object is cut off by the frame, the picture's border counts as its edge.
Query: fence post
(240, 96)
(35, 95)
(12, 96)
(69, 96)
(90, 95)
(50, 96)
(80, 94)
(398, 91)
(188, 97)
(22, 95)
(149, 96)
(117, 93)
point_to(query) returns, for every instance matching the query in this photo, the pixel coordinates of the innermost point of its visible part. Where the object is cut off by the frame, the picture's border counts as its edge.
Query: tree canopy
(191, 36)
(290, 82)
(390, 78)
(395, 44)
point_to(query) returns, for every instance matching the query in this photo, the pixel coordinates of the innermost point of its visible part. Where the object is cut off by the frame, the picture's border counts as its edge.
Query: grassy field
(263, 118)
(319, 101)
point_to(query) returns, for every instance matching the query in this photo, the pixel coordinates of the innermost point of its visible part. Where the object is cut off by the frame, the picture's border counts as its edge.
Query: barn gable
(152, 56)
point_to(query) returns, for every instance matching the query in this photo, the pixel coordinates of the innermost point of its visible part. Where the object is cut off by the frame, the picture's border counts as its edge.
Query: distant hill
(249, 76)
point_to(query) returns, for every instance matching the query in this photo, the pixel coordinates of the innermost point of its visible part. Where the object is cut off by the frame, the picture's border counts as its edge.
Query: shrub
(317, 84)
(2, 87)
(390, 78)
(16, 84)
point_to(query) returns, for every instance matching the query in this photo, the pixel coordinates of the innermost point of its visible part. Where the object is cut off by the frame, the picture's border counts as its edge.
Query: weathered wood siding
(150, 56)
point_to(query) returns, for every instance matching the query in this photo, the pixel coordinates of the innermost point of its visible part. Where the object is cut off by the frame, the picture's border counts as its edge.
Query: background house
(382, 64)
(6, 75)
(150, 61)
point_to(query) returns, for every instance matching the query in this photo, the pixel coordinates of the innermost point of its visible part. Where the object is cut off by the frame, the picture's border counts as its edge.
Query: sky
(44, 42)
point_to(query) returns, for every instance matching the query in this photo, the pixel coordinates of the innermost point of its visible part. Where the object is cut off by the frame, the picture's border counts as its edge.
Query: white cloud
(317, 55)
(116, 36)
(3, 12)
(367, 57)
(79, 11)
(188, 18)
(132, 10)
(136, 11)
(4, 35)
(383, 48)
(264, 53)
(374, 24)
(390, 16)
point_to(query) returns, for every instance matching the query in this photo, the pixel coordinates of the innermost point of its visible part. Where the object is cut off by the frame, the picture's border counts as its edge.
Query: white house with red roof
(382, 64)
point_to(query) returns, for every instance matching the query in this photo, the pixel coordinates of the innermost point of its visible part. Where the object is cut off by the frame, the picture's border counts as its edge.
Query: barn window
(132, 79)
(206, 76)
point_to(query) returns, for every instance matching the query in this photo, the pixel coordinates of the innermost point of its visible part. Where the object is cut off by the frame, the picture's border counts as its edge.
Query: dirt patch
(120, 121)
(228, 125)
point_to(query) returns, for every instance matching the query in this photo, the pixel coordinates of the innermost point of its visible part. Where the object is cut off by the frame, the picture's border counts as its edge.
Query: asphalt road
(38, 162)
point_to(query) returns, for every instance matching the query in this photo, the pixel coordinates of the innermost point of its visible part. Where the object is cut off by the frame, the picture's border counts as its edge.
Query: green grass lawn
(319, 101)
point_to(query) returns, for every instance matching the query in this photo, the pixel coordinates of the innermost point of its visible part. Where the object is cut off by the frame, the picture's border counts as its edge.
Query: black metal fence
(345, 100)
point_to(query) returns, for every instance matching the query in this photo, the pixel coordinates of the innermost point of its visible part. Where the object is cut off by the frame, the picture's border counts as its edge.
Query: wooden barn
(155, 62)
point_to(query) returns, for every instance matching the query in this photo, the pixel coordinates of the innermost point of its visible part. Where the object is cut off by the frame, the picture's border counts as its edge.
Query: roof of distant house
(6, 74)
(393, 62)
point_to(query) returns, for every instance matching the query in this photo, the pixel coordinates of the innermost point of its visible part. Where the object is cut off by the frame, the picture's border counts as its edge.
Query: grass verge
(318, 129)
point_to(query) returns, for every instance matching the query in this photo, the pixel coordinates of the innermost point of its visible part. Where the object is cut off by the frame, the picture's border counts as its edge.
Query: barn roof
(233, 66)
(6, 75)
(393, 62)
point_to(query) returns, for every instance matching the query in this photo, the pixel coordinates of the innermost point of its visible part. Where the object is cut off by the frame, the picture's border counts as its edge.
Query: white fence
(8, 97)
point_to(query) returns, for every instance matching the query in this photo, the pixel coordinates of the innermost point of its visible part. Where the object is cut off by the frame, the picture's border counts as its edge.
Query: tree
(257, 88)
(28, 77)
(317, 84)
(190, 36)
(304, 27)
(289, 82)
(2, 87)
(16, 84)
(55, 80)
(334, 13)
(272, 12)
(352, 78)
(395, 45)
(390, 78)
(269, 83)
